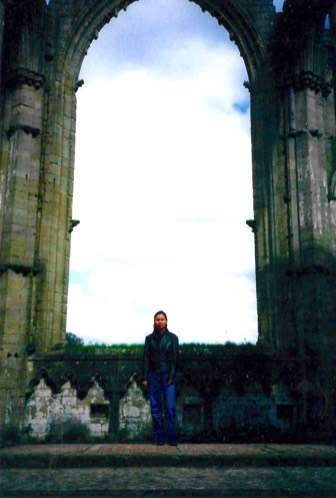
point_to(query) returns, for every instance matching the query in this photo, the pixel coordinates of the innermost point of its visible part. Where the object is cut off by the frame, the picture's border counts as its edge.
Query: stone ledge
(184, 455)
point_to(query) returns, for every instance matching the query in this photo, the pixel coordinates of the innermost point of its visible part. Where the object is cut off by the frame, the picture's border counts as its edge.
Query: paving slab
(169, 481)
(292, 470)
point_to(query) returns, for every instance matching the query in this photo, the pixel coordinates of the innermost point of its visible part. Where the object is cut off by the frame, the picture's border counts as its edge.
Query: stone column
(21, 171)
(266, 208)
(2, 14)
(308, 137)
(56, 190)
(19, 187)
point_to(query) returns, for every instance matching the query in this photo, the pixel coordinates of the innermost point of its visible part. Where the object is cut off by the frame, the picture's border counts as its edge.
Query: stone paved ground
(169, 481)
(305, 471)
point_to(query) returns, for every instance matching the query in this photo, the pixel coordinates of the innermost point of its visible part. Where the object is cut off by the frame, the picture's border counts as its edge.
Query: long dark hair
(161, 313)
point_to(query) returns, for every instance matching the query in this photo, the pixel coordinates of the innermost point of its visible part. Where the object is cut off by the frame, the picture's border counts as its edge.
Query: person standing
(159, 364)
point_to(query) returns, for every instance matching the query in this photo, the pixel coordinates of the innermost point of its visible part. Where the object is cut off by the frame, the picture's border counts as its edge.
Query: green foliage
(73, 339)
(227, 349)
(125, 436)
(68, 432)
(77, 344)
(11, 435)
(117, 348)
(113, 349)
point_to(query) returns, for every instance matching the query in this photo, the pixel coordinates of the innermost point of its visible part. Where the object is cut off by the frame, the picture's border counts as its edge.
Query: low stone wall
(218, 396)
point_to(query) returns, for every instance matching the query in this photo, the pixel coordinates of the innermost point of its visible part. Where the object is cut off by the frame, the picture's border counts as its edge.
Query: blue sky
(163, 183)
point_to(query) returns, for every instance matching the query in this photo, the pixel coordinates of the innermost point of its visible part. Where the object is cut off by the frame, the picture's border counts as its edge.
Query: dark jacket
(161, 354)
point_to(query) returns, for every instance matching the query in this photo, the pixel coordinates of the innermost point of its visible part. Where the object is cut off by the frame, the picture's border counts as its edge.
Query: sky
(163, 182)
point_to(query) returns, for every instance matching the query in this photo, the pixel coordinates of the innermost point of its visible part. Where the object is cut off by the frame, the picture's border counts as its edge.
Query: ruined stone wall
(219, 397)
(291, 214)
(47, 413)
(290, 61)
(44, 46)
(134, 414)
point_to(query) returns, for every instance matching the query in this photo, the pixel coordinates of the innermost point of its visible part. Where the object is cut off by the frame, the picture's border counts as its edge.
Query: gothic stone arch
(290, 60)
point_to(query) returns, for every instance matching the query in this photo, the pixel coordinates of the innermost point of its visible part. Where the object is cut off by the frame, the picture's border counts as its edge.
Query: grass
(228, 348)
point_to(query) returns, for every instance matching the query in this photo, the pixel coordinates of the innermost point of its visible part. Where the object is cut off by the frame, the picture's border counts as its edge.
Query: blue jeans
(158, 389)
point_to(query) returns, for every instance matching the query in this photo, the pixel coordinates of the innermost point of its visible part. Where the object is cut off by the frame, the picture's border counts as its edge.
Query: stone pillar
(19, 187)
(293, 141)
(2, 15)
(55, 222)
(267, 208)
(309, 150)
(308, 138)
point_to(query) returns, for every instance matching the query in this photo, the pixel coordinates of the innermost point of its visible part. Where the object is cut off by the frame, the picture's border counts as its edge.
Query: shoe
(172, 443)
(159, 443)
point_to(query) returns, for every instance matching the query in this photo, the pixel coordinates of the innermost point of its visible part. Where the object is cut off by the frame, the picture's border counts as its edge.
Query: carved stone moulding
(21, 76)
(28, 130)
(107, 18)
(20, 269)
(314, 269)
(308, 80)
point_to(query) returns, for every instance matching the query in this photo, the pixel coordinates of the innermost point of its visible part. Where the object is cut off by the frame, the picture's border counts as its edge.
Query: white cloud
(163, 189)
